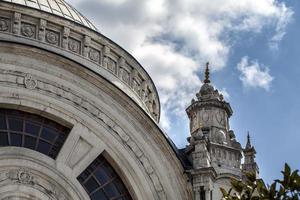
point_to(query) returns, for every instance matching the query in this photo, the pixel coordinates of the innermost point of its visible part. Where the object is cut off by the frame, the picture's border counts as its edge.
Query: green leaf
(224, 192)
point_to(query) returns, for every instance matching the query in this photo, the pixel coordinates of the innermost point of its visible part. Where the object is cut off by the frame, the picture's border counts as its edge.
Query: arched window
(102, 182)
(22, 129)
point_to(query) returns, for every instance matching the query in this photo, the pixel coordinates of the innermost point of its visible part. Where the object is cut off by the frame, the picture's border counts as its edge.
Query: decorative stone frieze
(86, 47)
(94, 55)
(82, 45)
(66, 33)
(28, 30)
(17, 23)
(30, 82)
(74, 45)
(67, 94)
(32, 179)
(52, 37)
(4, 24)
(42, 29)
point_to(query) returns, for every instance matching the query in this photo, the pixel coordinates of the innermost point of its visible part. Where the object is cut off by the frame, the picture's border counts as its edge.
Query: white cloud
(174, 38)
(284, 17)
(225, 94)
(254, 74)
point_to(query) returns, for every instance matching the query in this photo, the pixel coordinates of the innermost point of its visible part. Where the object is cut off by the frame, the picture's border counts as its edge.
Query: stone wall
(102, 118)
(81, 44)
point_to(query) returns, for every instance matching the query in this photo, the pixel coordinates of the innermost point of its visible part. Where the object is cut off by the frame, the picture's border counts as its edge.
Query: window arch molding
(139, 190)
(32, 131)
(150, 179)
(29, 172)
(103, 180)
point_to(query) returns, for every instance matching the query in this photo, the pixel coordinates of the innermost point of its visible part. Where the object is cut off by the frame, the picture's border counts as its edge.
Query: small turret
(213, 150)
(249, 153)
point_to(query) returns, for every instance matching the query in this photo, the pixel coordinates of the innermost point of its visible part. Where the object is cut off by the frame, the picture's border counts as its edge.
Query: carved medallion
(74, 45)
(24, 177)
(3, 25)
(28, 30)
(94, 55)
(30, 82)
(52, 37)
(20, 176)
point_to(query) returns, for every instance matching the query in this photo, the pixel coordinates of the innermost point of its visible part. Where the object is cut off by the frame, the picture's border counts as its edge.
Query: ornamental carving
(30, 82)
(194, 122)
(27, 177)
(3, 25)
(37, 28)
(125, 76)
(74, 45)
(28, 30)
(112, 65)
(205, 116)
(220, 117)
(135, 86)
(21, 176)
(52, 37)
(124, 136)
(94, 55)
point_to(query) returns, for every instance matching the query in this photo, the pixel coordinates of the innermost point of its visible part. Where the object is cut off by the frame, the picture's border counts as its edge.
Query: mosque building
(79, 118)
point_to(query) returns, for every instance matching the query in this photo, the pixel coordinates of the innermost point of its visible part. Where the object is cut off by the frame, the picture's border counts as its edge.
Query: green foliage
(254, 189)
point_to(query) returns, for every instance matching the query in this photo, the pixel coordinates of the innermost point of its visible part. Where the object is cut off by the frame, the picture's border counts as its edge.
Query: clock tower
(213, 149)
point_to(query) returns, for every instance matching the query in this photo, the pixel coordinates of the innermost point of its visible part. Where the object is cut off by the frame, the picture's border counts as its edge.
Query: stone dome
(57, 7)
(79, 104)
(206, 89)
(55, 26)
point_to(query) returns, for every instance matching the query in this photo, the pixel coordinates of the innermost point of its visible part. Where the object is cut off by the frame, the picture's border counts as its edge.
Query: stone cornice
(91, 49)
(213, 103)
(20, 79)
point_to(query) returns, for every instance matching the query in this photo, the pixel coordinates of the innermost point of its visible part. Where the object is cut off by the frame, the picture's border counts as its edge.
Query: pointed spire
(248, 145)
(207, 73)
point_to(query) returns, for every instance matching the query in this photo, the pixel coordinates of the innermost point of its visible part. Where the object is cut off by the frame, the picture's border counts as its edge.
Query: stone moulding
(20, 176)
(84, 43)
(18, 79)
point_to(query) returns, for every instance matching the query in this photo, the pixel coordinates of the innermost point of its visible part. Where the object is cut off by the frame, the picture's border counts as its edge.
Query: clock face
(220, 117)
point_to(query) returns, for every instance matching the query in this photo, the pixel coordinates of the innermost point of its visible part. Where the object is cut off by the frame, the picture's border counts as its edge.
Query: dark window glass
(48, 134)
(102, 176)
(43, 147)
(98, 195)
(15, 124)
(102, 182)
(39, 133)
(111, 190)
(30, 142)
(16, 139)
(91, 185)
(120, 186)
(3, 139)
(32, 129)
(2, 123)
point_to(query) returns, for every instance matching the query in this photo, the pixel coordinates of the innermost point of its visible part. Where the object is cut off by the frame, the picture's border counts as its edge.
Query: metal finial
(207, 73)
(248, 145)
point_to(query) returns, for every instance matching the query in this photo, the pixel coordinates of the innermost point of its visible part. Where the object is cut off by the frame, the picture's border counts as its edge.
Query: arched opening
(23, 129)
(102, 182)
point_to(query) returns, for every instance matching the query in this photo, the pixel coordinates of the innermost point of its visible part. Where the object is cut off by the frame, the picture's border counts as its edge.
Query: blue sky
(252, 45)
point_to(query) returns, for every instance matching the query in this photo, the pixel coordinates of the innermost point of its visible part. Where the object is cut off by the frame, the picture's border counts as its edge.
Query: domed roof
(57, 7)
